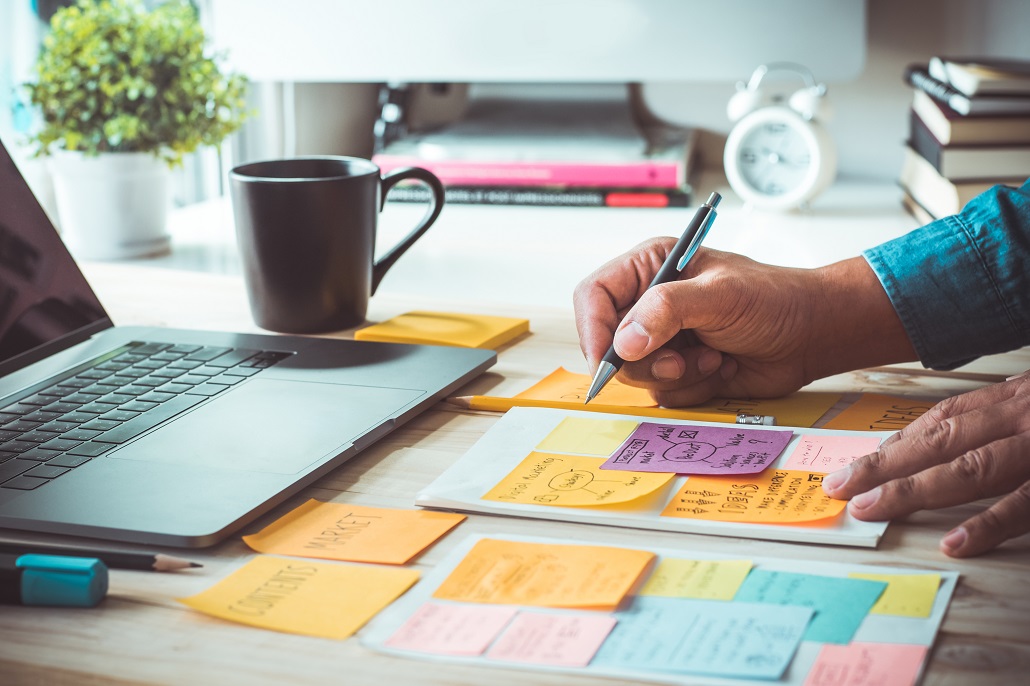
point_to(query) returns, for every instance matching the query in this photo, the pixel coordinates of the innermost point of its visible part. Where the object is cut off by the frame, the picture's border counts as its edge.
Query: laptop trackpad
(270, 425)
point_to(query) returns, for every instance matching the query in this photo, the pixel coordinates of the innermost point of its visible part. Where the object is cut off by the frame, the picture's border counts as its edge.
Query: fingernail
(709, 361)
(667, 368)
(631, 340)
(866, 500)
(834, 480)
(955, 539)
(728, 370)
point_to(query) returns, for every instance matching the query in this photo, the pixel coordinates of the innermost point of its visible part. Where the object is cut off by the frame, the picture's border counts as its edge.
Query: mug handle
(380, 267)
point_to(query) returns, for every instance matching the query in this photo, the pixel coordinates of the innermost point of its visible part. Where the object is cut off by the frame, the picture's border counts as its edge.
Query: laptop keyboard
(121, 396)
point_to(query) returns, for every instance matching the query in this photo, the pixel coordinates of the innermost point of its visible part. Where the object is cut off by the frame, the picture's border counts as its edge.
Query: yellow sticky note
(545, 575)
(322, 599)
(446, 328)
(877, 412)
(705, 579)
(572, 481)
(906, 595)
(775, 496)
(337, 531)
(563, 385)
(587, 436)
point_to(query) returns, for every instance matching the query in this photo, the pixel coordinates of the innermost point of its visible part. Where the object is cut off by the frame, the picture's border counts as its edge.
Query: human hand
(966, 448)
(760, 330)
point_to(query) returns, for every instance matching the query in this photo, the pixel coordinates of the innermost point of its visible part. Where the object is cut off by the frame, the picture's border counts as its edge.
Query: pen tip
(196, 564)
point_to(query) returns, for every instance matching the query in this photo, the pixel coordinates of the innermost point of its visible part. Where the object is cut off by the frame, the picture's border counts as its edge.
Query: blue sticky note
(840, 604)
(704, 637)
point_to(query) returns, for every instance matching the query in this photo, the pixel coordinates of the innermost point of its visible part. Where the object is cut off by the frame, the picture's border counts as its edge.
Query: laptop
(174, 437)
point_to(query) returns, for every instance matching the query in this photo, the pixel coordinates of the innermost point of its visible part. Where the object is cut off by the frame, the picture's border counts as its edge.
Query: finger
(984, 472)
(670, 367)
(948, 433)
(701, 392)
(1007, 518)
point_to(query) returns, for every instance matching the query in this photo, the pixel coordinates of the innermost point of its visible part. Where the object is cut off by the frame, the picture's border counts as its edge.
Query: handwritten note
(337, 531)
(876, 412)
(867, 664)
(452, 629)
(697, 449)
(302, 597)
(776, 496)
(702, 579)
(572, 481)
(545, 575)
(840, 604)
(829, 453)
(561, 640)
(587, 436)
(740, 640)
(446, 328)
(907, 595)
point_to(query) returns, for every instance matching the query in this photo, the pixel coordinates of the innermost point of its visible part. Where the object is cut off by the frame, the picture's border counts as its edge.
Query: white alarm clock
(778, 156)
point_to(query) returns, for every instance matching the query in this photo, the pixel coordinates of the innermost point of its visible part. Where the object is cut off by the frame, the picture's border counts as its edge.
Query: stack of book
(969, 130)
(549, 152)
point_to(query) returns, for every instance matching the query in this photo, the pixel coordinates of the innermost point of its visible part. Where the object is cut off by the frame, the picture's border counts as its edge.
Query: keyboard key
(130, 358)
(99, 425)
(21, 426)
(41, 416)
(76, 417)
(206, 389)
(19, 408)
(207, 353)
(119, 416)
(91, 449)
(8, 417)
(133, 372)
(94, 374)
(135, 390)
(116, 398)
(58, 426)
(192, 379)
(150, 364)
(39, 454)
(62, 407)
(233, 358)
(12, 468)
(46, 471)
(149, 420)
(241, 371)
(37, 399)
(138, 406)
(167, 356)
(112, 365)
(226, 379)
(17, 446)
(37, 436)
(82, 398)
(76, 382)
(156, 397)
(151, 381)
(24, 483)
(98, 408)
(68, 460)
(207, 370)
(8, 435)
(151, 348)
(59, 444)
(80, 434)
(6, 455)
(168, 372)
(185, 364)
(266, 359)
(185, 348)
(176, 387)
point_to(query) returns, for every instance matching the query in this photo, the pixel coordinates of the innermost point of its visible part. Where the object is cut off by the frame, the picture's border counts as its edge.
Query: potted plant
(124, 93)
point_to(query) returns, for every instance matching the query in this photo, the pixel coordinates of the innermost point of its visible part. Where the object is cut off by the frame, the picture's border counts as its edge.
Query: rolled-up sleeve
(960, 284)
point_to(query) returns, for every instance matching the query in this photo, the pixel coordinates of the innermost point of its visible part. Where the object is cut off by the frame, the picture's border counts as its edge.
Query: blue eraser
(60, 580)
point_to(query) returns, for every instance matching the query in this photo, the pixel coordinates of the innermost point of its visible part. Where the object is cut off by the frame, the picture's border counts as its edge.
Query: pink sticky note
(452, 629)
(867, 664)
(695, 449)
(565, 640)
(829, 453)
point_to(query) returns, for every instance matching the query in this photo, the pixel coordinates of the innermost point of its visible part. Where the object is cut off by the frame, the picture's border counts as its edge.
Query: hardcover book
(970, 161)
(982, 75)
(937, 194)
(918, 76)
(951, 128)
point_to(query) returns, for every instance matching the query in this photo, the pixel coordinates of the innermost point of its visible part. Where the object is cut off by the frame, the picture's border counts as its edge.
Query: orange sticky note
(545, 575)
(338, 531)
(446, 328)
(876, 412)
(572, 481)
(867, 664)
(323, 599)
(825, 453)
(563, 385)
(775, 496)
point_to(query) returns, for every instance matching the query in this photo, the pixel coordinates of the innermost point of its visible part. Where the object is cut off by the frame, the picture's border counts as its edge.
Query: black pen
(112, 558)
(675, 263)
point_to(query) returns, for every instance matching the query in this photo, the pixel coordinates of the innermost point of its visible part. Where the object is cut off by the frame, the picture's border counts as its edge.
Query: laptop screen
(45, 302)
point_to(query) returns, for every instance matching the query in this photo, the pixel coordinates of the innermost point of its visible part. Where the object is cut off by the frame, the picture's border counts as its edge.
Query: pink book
(657, 173)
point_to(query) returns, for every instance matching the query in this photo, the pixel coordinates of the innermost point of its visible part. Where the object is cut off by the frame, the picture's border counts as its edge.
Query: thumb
(653, 320)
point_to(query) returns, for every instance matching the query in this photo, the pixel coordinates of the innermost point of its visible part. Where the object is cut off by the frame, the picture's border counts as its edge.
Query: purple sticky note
(693, 449)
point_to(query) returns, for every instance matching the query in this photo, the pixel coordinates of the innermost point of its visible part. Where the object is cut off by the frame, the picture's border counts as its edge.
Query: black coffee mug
(306, 229)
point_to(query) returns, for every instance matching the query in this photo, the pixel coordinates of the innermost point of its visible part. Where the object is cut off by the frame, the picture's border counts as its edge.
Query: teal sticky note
(704, 637)
(840, 604)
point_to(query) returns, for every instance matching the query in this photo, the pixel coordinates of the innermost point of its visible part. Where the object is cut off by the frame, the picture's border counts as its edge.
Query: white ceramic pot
(112, 206)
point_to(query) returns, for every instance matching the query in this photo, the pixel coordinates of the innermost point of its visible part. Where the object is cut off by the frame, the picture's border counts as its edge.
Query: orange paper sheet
(775, 496)
(877, 412)
(337, 531)
(545, 575)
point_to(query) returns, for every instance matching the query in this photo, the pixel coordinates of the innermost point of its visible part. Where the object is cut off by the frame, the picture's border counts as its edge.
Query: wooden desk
(140, 634)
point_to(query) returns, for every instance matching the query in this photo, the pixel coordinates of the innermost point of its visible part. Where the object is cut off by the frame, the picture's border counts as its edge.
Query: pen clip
(695, 242)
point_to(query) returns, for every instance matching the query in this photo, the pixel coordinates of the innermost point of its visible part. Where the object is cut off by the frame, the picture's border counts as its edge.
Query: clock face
(774, 158)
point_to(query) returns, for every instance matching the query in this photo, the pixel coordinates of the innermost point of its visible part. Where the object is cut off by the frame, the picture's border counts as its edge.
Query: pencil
(112, 558)
(497, 404)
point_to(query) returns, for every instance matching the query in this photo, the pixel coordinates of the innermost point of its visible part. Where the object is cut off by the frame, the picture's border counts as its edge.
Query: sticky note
(561, 640)
(702, 579)
(572, 481)
(545, 575)
(776, 496)
(446, 328)
(907, 595)
(823, 453)
(564, 385)
(738, 640)
(840, 604)
(338, 531)
(452, 629)
(867, 664)
(876, 412)
(328, 600)
(698, 449)
(587, 436)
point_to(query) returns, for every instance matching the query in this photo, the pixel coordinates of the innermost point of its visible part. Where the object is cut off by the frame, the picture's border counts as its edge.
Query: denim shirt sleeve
(961, 284)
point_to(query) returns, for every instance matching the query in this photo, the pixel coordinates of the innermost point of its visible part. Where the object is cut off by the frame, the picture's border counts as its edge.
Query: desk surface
(140, 634)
